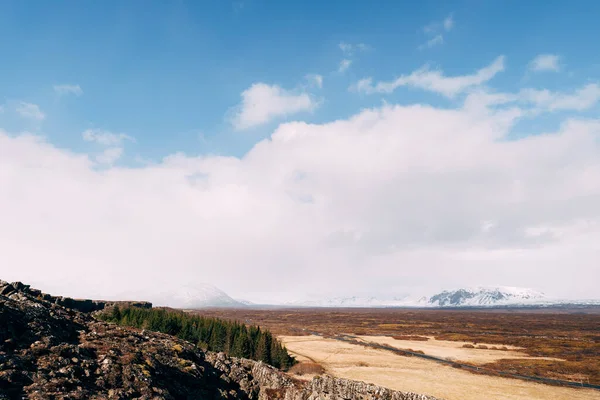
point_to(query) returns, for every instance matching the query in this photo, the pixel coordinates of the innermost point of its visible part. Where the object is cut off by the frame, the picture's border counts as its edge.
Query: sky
(294, 150)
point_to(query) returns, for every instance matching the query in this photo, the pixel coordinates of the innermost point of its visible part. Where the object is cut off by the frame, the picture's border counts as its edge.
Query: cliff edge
(49, 350)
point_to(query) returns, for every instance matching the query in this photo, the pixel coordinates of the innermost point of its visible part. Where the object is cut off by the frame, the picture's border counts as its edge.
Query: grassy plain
(420, 376)
(553, 343)
(479, 354)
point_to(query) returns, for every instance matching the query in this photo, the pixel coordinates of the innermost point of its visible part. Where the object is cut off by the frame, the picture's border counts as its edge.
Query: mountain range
(499, 296)
(205, 295)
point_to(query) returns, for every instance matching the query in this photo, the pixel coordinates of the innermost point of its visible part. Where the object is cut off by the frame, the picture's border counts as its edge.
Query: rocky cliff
(85, 305)
(51, 351)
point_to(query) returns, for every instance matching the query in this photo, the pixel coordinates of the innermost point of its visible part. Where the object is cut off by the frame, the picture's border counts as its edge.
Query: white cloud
(110, 155)
(392, 197)
(434, 81)
(580, 100)
(262, 103)
(435, 31)
(545, 62)
(350, 49)
(431, 28)
(448, 22)
(30, 111)
(68, 89)
(346, 48)
(344, 65)
(532, 102)
(113, 142)
(436, 40)
(315, 79)
(105, 138)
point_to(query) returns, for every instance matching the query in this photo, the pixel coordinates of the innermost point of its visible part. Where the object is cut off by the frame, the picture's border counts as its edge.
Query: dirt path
(421, 376)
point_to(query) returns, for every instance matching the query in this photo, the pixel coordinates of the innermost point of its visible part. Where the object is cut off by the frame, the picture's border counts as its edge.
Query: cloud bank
(393, 197)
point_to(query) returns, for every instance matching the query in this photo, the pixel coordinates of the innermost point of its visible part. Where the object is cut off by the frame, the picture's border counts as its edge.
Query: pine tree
(207, 333)
(263, 349)
(116, 314)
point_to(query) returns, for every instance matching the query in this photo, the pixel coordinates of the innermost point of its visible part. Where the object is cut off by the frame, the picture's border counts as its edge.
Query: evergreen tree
(263, 349)
(207, 333)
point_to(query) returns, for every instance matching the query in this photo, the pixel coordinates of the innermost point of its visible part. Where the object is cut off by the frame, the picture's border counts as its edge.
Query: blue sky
(389, 147)
(167, 74)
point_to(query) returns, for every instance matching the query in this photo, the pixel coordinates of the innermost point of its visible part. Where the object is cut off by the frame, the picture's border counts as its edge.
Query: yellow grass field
(417, 375)
(455, 350)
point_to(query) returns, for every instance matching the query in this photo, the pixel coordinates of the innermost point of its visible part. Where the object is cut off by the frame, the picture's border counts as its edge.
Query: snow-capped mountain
(245, 302)
(499, 296)
(198, 296)
(486, 296)
(205, 295)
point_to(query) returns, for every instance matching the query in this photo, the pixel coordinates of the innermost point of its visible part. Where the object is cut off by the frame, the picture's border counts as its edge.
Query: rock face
(77, 304)
(50, 351)
(276, 385)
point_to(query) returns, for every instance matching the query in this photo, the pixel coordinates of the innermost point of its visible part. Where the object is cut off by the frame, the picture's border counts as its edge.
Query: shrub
(411, 337)
(307, 368)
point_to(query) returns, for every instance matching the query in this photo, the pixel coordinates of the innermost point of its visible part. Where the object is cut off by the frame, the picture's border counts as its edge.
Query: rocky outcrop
(275, 385)
(83, 305)
(52, 351)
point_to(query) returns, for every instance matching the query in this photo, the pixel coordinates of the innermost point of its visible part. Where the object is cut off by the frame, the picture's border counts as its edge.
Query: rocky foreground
(54, 351)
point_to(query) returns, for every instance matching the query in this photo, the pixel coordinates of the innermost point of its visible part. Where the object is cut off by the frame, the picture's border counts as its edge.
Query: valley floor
(413, 374)
(559, 343)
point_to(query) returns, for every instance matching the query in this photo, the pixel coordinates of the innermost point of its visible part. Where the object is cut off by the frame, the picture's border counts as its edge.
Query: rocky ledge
(84, 305)
(51, 351)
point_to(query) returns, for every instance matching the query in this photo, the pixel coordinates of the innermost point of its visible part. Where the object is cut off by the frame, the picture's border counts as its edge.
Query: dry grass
(455, 351)
(562, 334)
(421, 376)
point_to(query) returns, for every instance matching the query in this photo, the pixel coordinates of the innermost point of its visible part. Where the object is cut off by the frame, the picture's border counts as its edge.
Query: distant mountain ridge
(202, 295)
(499, 296)
(485, 297)
(353, 301)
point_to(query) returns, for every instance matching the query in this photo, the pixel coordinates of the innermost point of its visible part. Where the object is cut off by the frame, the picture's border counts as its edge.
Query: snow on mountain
(205, 295)
(245, 302)
(486, 296)
(198, 296)
(464, 297)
